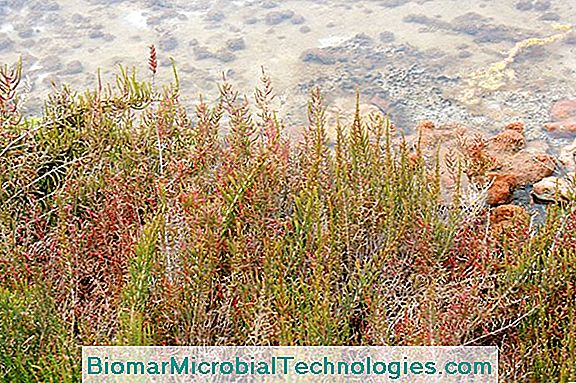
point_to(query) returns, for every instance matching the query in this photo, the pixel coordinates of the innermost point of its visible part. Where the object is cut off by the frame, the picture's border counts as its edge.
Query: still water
(482, 63)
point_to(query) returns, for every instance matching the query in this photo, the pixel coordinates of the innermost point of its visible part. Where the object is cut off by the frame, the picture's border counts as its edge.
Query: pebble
(78, 19)
(168, 43)
(225, 56)
(156, 4)
(570, 40)
(250, 20)
(51, 63)
(26, 33)
(524, 5)
(305, 29)
(107, 2)
(55, 19)
(108, 37)
(297, 19)
(236, 44)
(165, 62)
(393, 3)
(276, 17)
(433, 53)
(28, 43)
(16, 4)
(563, 109)
(269, 4)
(215, 16)
(45, 6)
(425, 20)
(554, 189)
(73, 67)
(153, 20)
(550, 16)
(202, 53)
(95, 34)
(318, 56)
(386, 37)
(542, 5)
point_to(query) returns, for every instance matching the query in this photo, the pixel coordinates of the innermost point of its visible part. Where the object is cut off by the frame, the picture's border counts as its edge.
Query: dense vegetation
(126, 221)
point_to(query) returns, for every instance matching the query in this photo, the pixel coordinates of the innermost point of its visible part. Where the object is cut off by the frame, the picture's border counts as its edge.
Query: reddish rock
(500, 192)
(426, 124)
(563, 115)
(519, 170)
(429, 136)
(506, 218)
(565, 127)
(529, 168)
(516, 126)
(506, 213)
(504, 161)
(563, 110)
(509, 141)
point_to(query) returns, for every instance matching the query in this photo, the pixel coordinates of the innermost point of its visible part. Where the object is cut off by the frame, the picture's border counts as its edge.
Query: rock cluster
(560, 187)
(504, 165)
(505, 219)
(501, 163)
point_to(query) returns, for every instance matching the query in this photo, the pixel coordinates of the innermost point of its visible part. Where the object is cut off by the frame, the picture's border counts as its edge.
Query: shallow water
(412, 59)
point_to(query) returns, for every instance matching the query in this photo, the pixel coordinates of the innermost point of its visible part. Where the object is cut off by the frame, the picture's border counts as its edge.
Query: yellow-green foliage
(126, 220)
(34, 343)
